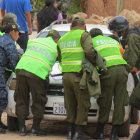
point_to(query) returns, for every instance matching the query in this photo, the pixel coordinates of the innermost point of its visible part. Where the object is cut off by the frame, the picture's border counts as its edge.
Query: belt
(116, 66)
(76, 73)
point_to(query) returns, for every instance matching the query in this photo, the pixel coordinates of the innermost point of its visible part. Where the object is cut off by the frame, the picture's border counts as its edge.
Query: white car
(54, 109)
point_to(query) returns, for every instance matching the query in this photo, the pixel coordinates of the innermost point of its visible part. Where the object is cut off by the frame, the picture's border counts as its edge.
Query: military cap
(12, 26)
(10, 18)
(54, 34)
(78, 18)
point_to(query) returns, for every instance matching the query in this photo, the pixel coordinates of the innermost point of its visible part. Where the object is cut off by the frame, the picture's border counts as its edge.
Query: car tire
(124, 130)
(134, 115)
(12, 123)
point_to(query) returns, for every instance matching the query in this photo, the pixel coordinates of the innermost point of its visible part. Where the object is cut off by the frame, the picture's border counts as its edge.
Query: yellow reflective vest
(72, 52)
(109, 49)
(39, 57)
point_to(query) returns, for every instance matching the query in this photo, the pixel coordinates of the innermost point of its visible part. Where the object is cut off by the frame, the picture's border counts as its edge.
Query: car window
(44, 34)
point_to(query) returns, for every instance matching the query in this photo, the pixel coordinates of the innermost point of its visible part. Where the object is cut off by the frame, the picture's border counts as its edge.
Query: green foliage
(37, 5)
(75, 7)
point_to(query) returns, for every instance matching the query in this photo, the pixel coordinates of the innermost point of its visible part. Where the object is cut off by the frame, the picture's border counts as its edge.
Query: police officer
(131, 39)
(8, 59)
(8, 18)
(113, 84)
(72, 48)
(131, 42)
(31, 73)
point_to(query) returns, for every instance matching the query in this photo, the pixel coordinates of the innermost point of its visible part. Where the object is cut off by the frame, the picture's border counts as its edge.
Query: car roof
(66, 27)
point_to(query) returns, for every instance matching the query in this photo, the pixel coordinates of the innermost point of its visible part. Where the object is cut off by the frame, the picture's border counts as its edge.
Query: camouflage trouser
(3, 94)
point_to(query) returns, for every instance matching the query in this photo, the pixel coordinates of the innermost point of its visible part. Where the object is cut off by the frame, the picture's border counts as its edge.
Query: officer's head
(95, 32)
(9, 18)
(12, 29)
(78, 22)
(114, 37)
(119, 25)
(54, 34)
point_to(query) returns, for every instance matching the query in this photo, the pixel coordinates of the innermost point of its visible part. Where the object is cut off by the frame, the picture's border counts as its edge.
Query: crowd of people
(87, 59)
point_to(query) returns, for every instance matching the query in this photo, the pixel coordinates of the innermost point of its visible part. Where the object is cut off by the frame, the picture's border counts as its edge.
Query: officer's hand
(102, 71)
(30, 31)
(138, 122)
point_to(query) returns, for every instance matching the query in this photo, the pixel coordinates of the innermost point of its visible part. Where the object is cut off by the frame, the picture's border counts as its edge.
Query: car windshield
(44, 34)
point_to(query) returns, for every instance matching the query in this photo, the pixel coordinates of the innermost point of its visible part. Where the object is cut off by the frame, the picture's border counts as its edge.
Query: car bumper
(49, 109)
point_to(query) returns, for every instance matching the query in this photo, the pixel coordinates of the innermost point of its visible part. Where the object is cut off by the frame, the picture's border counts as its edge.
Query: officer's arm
(59, 53)
(3, 7)
(132, 51)
(2, 13)
(12, 56)
(87, 45)
(28, 19)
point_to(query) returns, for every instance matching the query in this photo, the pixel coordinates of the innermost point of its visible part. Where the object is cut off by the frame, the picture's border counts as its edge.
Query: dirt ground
(55, 131)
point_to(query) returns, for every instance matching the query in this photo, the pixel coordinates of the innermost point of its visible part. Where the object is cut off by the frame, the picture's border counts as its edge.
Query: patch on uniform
(14, 26)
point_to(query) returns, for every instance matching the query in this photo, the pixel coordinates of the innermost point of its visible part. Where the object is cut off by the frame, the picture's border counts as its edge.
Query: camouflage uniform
(8, 18)
(8, 59)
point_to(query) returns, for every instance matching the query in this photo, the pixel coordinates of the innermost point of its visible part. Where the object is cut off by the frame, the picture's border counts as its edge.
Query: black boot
(114, 132)
(99, 134)
(79, 134)
(36, 128)
(22, 127)
(2, 125)
(70, 131)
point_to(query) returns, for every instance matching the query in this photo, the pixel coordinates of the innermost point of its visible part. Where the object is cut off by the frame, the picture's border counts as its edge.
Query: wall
(109, 8)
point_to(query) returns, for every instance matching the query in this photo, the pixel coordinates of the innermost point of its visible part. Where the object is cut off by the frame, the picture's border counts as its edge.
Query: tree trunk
(120, 6)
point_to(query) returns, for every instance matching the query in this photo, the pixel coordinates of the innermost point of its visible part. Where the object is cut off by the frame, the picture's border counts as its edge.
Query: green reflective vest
(72, 52)
(109, 49)
(1, 34)
(39, 57)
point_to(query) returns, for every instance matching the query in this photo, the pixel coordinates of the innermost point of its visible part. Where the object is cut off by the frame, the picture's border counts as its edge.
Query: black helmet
(118, 23)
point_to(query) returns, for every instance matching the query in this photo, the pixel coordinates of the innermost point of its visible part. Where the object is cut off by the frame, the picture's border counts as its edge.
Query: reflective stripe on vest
(32, 41)
(39, 57)
(72, 52)
(38, 60)
(73, 63)
(109, 49)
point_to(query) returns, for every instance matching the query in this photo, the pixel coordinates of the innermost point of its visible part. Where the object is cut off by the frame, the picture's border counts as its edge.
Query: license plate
(58, 108)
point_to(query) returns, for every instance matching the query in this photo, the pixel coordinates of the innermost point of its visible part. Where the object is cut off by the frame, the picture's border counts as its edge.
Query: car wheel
(124, 130)
(12, 123)
(134, 115)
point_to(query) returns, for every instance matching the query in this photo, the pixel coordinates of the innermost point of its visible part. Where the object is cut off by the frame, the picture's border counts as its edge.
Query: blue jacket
(8, 53)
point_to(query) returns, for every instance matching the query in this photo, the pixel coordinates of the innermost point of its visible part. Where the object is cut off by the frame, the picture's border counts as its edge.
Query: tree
(120, 6)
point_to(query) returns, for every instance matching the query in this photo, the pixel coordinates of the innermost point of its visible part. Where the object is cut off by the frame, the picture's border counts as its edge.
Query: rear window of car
(44, 34)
